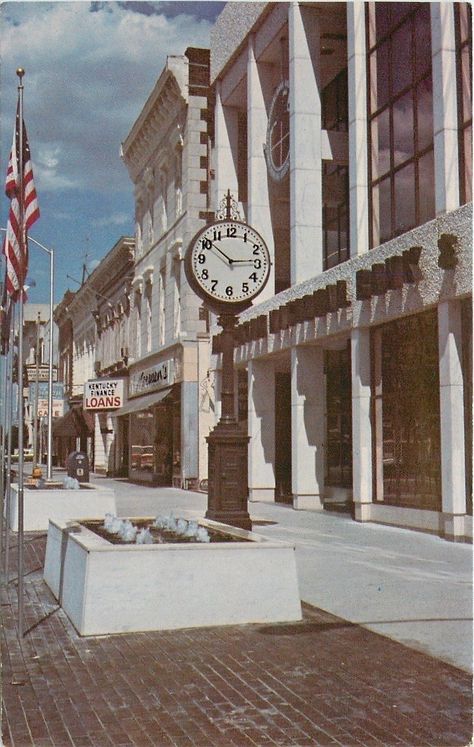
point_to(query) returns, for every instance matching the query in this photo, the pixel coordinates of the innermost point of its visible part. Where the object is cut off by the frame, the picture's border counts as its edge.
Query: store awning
(74, 423)
(142, 403)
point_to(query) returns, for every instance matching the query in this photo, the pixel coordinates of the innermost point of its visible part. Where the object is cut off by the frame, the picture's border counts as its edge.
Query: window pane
(468, 164)
(381, 82)
(466, 76)
(424, 94)
(380, 144)
(399, 11)
(382, 19)
(426, 195)
(423, 40)
(384, 212)
(404, 196)
(402, 61)
(465, 20)
(403, 130)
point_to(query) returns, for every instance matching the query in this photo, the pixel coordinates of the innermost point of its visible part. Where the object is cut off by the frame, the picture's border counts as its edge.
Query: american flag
(15, 247)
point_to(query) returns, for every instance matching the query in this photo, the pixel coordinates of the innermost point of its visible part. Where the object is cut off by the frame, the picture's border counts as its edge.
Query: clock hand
(230, 261)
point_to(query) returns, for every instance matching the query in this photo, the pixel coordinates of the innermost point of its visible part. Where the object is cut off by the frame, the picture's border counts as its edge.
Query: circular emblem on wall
(277, 145)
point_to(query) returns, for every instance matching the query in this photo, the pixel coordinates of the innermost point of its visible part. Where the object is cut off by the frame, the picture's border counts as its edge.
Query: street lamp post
(49, 453)
(50, 252)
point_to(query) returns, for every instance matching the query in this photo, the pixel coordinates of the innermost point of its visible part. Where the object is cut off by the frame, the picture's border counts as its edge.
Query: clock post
(228, 446)
(227, 264)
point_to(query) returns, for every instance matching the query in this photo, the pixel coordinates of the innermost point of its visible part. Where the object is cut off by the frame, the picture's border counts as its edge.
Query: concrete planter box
(105, 588)
(56, 503)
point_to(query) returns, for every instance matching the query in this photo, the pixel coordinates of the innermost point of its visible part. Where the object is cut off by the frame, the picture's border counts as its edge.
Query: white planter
(41, 505)
(105, 588)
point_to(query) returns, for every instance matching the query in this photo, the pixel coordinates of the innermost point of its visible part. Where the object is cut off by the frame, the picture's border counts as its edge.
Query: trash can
(77, 466)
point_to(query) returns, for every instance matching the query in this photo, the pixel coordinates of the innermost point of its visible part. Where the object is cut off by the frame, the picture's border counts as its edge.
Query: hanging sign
(42, 371)
(103, 394)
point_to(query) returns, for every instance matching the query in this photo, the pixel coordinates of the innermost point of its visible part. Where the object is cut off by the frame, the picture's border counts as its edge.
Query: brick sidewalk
(319, 682)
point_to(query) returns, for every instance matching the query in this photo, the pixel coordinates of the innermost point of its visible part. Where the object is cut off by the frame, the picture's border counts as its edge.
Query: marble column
(361, 424)
(189, 429)
(445, 118)
(308, 398)
(225, 150)
(306, 236)
(261, 429)
(259, 85)
(453, 469)
(358, 136)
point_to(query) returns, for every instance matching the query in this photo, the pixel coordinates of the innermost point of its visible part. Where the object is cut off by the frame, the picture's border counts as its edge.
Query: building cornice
(158, 114)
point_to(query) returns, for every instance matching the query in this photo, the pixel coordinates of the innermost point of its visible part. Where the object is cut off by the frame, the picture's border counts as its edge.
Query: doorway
(283, 490)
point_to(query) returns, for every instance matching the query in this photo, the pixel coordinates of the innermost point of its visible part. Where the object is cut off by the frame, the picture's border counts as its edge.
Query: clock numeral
(201, 259)
(245, 236)
(253, 277)
(217, 235)
(257, 263)
(205, 274)
(256, 249)
(229, 291)
(245, 287)
(206, 243)
(232, 231)
(213, 284)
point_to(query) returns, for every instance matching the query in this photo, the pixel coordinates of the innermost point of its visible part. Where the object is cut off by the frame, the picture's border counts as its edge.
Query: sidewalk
(413, 587)
(323, 681)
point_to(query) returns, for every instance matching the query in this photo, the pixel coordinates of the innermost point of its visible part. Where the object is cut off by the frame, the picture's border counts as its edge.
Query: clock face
(228, 262)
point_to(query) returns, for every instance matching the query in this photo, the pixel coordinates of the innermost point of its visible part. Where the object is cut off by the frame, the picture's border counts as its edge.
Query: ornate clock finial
(228, 208)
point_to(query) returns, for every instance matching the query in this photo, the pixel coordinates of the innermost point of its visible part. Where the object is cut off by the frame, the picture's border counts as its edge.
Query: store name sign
(103, 394)
(151, 379)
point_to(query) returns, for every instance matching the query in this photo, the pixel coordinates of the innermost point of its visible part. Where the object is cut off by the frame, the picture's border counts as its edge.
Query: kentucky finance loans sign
(103, 394)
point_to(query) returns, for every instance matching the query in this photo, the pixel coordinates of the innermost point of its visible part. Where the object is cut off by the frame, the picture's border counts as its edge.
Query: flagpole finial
(20, 72)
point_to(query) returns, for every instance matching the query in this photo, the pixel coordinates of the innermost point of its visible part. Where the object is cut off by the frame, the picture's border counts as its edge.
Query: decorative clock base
(228, 483)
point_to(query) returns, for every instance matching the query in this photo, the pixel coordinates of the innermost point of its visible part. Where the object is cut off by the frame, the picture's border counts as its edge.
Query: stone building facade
(170, 397)
(94, 330)
(344, 132)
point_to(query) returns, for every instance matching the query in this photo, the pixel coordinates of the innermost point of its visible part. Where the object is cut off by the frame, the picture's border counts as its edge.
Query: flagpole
(3, 476)
(22, 240)
(9, 446)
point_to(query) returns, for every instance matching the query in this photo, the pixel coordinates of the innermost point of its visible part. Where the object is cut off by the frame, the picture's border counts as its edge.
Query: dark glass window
(406, 412)
(463, 17)
(335, 177)
(466, 321)
(400, 105)
(242, 172)
(339, 418)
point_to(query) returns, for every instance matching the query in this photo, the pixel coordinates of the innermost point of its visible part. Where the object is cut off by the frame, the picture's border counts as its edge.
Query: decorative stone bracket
(389, 275)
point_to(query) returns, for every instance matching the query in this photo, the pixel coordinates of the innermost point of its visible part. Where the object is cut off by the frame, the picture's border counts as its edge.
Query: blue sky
(89, 69)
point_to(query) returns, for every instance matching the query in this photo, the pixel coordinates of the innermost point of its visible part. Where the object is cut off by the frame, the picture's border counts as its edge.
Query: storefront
(407, 412)
(150, 428)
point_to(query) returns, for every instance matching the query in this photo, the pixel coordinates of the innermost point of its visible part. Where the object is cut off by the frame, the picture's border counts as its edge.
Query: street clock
(227, 264)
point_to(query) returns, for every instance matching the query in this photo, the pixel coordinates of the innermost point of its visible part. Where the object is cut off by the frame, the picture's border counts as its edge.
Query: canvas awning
(74, 423)
(142, 403)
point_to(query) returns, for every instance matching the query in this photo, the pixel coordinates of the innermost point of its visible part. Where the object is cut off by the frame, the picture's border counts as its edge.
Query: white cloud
(116, 219)
(89, 70)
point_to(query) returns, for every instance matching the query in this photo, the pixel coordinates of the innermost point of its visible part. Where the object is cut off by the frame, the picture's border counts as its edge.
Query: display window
(407, 412)
(155, 442)
(338, 418)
